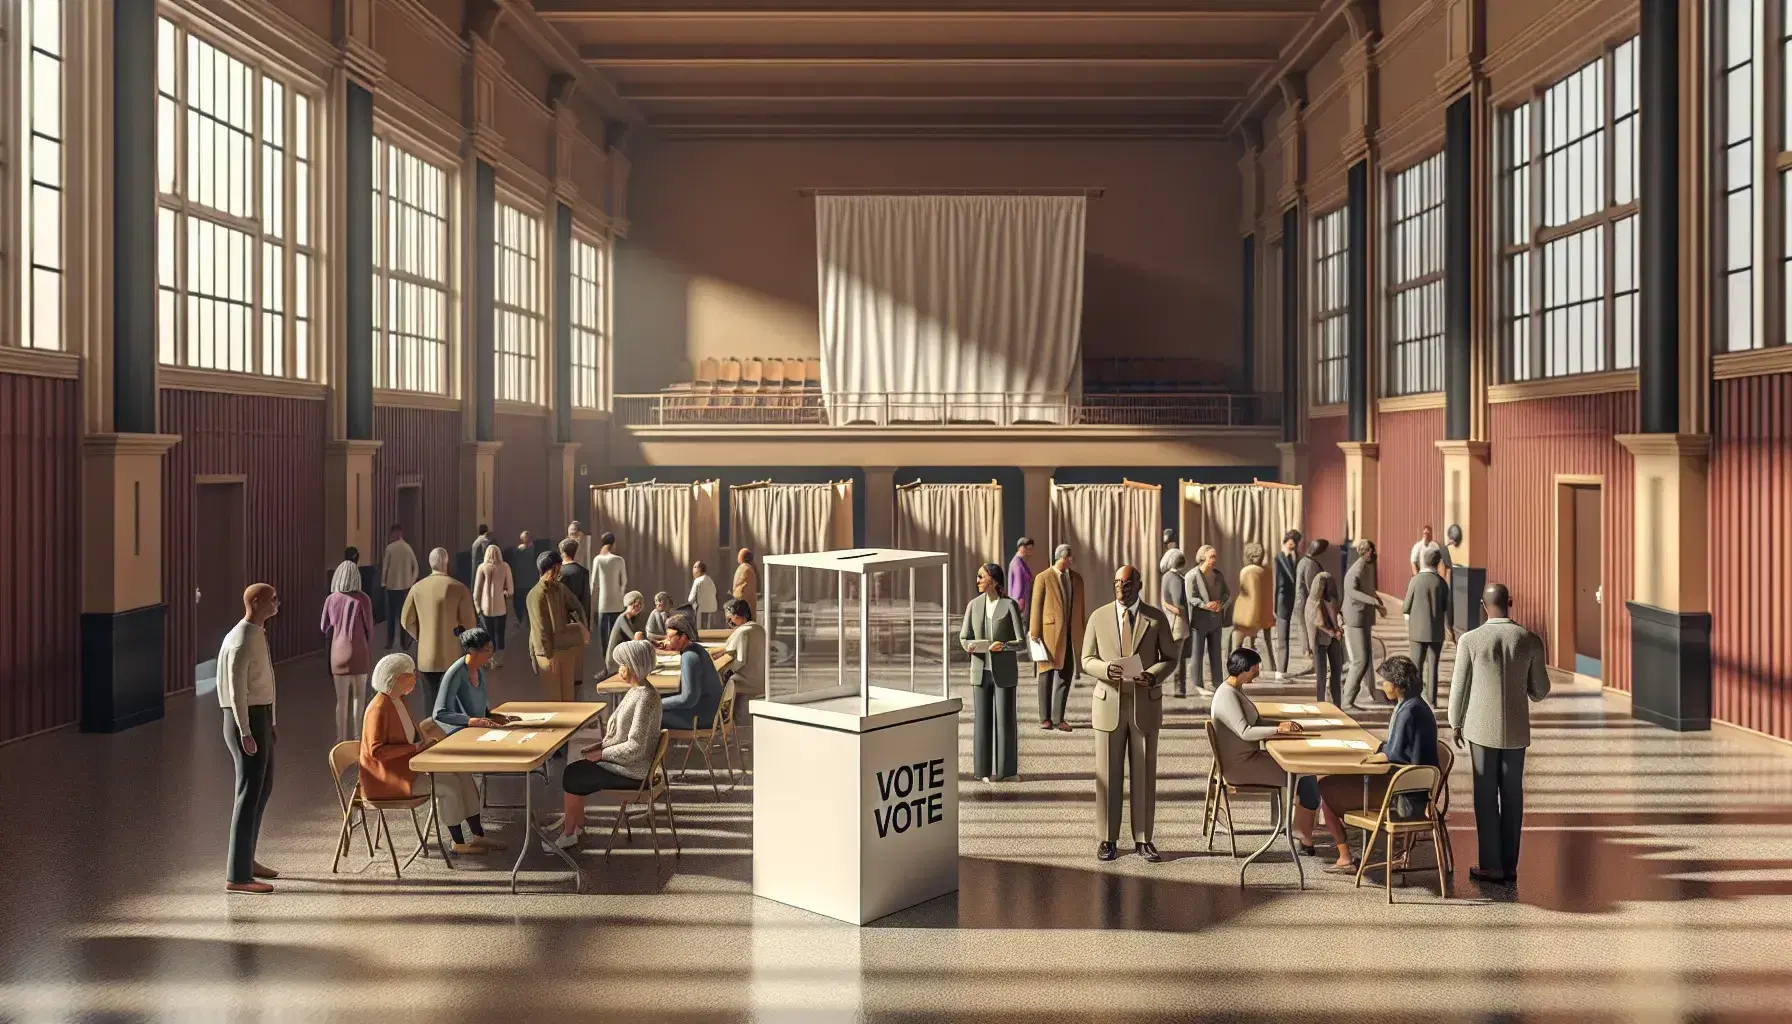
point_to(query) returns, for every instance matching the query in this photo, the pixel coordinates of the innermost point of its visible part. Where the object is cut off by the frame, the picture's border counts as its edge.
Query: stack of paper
(1297, 709)
(492, 736)
(1318, 723)
(1330, 744)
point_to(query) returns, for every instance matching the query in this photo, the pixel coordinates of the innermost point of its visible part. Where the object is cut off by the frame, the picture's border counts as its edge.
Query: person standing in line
(1253, 613)
(1287, 586)
(609, 582)
(1304, 571)
(1500, 671)
(438, 608)
(398, 572)
(746, 578)
(702, 598)
(1325, 636)
(1128, 709)
(1056, 621)
(480, 543)
(557, 637)
(1020, 577)
(1362, 606)
(1426, 544)
(576, 578)
(522, 567)
(494, 588)
(747, 644)
(575, 532)
(993, 621)
(1175, 608)
(348, 624)
(1208, 598)
(246, 695)
(1428, 620)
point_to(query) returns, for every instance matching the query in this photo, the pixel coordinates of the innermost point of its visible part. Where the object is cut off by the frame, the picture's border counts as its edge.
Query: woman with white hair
(1175, 598)
(348, 623)
(631, 624)
(493, 589)
(389, 739)
(631, 738)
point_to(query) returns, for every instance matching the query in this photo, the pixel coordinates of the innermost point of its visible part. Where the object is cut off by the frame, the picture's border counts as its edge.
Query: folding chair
(641, 798)
(341, 756)
(1413, 778)
(704, 740)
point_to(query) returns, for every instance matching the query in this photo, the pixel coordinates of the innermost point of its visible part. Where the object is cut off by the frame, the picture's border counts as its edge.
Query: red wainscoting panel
(520, 501)
(1533, 442)
(1323, 494)
(418, 446)
(1412, 490)
(40, 515)
(277, 445)
(1751, 553)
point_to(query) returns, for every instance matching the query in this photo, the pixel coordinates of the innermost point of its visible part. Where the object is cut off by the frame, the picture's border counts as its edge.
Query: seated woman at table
(1239, 732)
(389, 739)
(631, 737)
(699, 687)
(630, 625)
(463, 698)
(656, 619)
(1412, 739)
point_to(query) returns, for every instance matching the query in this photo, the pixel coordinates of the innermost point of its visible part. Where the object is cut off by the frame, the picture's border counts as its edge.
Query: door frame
(1561, 631)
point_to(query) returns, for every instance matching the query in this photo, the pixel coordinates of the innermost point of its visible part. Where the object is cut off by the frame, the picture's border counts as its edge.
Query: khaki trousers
(1114, 751)
(558, 675)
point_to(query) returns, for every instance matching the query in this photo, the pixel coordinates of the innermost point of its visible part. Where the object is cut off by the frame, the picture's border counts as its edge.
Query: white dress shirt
(245, 672)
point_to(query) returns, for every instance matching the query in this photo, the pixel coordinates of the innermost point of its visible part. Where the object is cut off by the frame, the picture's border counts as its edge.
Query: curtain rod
(1091, 193)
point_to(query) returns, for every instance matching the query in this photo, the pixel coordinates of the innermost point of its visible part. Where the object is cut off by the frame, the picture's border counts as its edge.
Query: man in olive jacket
(556, 636)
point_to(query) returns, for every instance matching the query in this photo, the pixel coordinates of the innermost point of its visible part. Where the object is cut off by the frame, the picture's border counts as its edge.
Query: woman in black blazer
(992, 616)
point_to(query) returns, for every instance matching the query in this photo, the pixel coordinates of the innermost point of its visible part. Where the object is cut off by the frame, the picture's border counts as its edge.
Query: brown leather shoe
(1046, 726)
(260, 870)
(1064, 727)
(258, 888)
(465, 849)
(485, 843)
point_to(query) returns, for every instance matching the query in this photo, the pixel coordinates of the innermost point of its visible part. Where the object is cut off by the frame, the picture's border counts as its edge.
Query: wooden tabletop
(1299, 754)
(520, 748)
(664, 680)
(715, 636)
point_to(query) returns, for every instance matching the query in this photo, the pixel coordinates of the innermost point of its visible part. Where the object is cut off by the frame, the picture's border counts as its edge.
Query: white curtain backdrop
(1107, 526)
(942, 308)
(963, 520)
(1234, 514)
(660, 530)
(790, 519)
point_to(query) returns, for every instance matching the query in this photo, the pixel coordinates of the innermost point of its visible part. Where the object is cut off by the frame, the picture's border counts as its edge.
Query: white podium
(855, 785)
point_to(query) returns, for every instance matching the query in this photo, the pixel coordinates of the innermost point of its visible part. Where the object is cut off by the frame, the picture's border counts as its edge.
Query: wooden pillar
(880, 506)
(348, 460)
(563, 480)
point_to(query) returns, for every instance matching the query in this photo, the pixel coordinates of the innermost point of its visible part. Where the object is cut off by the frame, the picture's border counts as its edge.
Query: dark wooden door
(410, 517)
(220, 572)
(1588, 540)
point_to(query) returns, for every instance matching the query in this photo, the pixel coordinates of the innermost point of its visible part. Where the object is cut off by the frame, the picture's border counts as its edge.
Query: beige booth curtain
(660, 530)
(1234, 514)
(790, 519)
(963, 520)
(1107, 526)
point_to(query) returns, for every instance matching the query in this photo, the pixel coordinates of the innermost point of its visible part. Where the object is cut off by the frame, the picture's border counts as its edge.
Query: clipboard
(980, 646)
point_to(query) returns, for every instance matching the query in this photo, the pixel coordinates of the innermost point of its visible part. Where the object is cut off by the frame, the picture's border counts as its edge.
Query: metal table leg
(1293, 847)
(435, 819)
(1281, 823)
(529, 831)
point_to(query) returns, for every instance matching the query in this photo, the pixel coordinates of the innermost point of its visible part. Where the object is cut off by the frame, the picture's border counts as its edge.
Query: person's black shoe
(1106, 851)
(1491, 877)
(1148, 851)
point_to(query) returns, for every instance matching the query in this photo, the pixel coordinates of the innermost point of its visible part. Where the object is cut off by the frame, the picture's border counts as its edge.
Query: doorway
(1580, 576)
(220, 569)
(410, 514)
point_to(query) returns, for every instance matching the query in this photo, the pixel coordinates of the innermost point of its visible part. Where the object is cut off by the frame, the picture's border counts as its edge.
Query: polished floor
(1657, 886)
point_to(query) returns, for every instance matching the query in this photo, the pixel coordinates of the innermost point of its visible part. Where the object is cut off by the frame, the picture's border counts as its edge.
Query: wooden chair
(344, 754)
(350, 749)
(704, 740)
(1222, 792)
(772, 390)
(752, 383)
(1412, 778)
(728, 386)
(641, 798)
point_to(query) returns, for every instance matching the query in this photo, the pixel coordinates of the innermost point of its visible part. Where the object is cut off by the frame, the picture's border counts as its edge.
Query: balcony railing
(808, 407)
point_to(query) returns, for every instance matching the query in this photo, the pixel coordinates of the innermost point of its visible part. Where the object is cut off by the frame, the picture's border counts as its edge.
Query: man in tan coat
(1128, 708)
(556, 638)
(1057, 622)
(1253, 610)
(437, 609)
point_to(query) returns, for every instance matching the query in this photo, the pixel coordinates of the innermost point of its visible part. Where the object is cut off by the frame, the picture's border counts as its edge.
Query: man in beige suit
(435, 612)
(1057, 618)
(1128, 708)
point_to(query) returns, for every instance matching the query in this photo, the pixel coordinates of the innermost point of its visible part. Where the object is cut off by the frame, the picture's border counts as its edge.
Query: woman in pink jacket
(348, 622)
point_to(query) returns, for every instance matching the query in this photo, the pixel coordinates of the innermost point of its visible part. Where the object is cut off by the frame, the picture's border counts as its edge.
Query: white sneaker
(565, 842)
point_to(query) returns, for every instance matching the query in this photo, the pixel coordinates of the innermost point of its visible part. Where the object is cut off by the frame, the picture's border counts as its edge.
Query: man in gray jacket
(1427, 611)
(1304, 571)
(1499, 666)
(1361, 607)
(1208, 598)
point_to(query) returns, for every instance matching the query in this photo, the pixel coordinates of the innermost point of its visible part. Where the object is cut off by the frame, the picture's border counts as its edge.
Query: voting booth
(855, 743)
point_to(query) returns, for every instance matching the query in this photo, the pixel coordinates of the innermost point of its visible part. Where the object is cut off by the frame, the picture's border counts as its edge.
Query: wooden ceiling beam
(609, 10)
(922, 54)
(932, 92)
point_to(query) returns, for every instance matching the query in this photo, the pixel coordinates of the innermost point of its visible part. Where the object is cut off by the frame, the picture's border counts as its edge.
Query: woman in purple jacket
(348, 622)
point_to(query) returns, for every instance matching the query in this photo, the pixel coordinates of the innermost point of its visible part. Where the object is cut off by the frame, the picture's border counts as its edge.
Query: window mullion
(1770, 239)
(289, 233)
(1533, 263)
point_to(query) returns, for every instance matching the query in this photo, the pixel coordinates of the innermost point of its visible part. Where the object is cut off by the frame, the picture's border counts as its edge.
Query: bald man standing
(246, 693)
(1127, 709)
(435, 612)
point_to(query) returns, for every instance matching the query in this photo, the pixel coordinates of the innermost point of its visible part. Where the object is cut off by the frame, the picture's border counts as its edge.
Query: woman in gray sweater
(631, 738)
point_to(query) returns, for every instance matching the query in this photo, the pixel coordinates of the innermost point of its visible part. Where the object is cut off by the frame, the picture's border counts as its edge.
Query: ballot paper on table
(526, 737)
(1331, 744)
(1318, 723)
(1296, 709)
(530, 718)
(1036, 650)
(492, 736)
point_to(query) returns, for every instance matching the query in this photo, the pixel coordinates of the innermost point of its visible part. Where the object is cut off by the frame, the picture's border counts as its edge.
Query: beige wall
(720, 259)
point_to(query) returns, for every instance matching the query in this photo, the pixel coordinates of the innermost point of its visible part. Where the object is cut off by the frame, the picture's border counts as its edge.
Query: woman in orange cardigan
(389, 740)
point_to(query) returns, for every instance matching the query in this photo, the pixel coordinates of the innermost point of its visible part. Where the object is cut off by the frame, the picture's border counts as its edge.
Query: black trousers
(395, 633)
(1054, 690)
(995, 732)
(494, 624)
(254, 782)
(1280, 640)
(606, 621)
(1207, 646)
(1328, 665)
(1428, 656)
(1499, 805)
(428, 685)
(583, 778)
